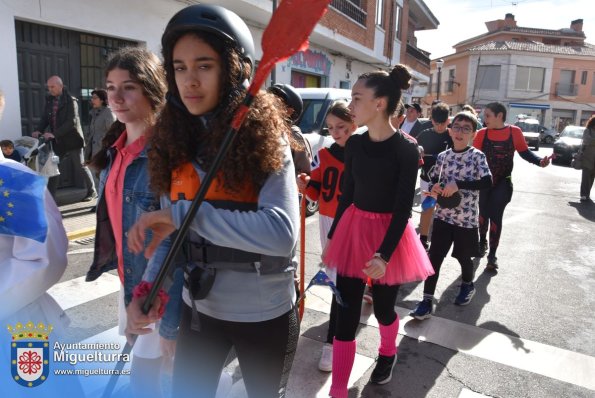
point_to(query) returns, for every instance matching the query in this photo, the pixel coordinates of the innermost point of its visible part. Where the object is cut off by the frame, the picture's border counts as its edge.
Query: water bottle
(428, 203)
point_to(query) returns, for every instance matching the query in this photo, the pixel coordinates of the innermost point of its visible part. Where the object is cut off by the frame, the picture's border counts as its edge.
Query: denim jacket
(137, 199)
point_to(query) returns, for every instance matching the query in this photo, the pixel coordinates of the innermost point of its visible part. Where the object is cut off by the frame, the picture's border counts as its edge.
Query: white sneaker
(326, 358)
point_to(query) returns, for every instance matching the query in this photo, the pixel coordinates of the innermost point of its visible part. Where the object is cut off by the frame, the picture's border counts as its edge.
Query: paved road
(529, 331)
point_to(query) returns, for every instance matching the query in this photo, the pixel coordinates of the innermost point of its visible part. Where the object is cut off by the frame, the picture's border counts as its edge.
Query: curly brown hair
(145, 69)
(180, 137)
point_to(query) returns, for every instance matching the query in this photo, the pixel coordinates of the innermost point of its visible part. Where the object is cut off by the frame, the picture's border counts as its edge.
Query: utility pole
(439, 64)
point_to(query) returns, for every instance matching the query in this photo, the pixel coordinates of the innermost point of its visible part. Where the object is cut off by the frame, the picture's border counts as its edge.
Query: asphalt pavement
(529, 331)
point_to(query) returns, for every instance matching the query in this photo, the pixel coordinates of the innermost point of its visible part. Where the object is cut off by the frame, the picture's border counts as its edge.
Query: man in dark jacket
(60, 123)
(411, 125)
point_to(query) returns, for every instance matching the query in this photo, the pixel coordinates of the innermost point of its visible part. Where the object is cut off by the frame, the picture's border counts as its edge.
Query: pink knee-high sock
(388, 338)
(343, 357)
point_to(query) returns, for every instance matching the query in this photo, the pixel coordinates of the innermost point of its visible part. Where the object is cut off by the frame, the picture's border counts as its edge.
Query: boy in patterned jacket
(462, 168)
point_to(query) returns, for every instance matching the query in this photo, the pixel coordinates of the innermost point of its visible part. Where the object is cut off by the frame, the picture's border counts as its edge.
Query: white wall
(546, 62)
(10, 125)
(137, 20)
(485, 96)
(379, 35)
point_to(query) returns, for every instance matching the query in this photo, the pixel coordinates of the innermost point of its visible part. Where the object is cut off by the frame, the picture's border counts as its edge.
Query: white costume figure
(28, 268)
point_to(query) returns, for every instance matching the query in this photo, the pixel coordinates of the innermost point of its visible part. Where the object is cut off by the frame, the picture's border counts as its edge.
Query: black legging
(265, 352)
(332, 324)
(492, 202)
(352, 292)
(443, 237)
(587, 178)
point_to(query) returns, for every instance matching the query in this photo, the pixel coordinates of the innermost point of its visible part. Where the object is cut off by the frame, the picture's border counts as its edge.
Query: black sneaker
(383, 371)
(483, 248)
(492, 264)
(466, 293)
(423, 310)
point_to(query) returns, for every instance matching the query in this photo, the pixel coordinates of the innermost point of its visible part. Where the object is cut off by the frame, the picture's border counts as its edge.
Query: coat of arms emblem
(30, 353)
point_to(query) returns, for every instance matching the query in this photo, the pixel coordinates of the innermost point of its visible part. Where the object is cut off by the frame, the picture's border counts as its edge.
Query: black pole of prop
(111, 384)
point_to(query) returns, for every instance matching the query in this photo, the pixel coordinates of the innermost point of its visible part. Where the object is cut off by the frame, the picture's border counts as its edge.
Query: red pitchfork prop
(287, 33)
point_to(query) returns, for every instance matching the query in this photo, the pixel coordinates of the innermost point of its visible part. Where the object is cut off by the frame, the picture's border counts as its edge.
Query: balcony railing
(351, 10)
(418, 55)
(566, 89)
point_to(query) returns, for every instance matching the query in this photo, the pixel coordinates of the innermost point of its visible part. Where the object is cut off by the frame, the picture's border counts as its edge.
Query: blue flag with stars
(22, 208)
(321, 278)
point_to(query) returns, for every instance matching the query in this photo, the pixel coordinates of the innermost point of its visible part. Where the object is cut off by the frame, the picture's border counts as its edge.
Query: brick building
(543, 73)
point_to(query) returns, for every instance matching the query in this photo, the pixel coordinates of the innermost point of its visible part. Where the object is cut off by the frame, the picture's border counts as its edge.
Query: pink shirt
(114, 187)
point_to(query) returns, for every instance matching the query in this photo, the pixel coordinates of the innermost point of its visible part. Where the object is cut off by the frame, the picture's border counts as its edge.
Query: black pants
(352, 292)
(332, 324)
(492, 202)
(465, 246)
(265, 352)
(587, 178)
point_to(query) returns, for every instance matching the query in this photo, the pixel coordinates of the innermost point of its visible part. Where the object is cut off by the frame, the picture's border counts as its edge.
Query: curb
(80, 233)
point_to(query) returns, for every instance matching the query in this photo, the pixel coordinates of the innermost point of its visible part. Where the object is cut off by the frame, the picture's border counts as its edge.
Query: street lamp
(439, 64)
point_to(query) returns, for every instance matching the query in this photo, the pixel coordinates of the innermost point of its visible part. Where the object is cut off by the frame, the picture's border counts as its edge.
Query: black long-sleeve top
(380, 177)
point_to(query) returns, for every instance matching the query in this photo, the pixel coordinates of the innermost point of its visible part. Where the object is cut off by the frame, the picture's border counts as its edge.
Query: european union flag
(321, 278)
(22, 209)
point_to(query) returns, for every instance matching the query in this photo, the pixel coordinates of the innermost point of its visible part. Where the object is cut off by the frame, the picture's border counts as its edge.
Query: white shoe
(326, 358)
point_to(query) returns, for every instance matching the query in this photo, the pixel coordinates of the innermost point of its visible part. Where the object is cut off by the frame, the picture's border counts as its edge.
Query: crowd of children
(233, 287)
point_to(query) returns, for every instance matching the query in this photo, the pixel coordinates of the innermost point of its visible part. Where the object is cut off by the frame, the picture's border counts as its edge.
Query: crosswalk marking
(76, 291)
(538, 358)
(318, 383)
(553, 362)
(465, 393)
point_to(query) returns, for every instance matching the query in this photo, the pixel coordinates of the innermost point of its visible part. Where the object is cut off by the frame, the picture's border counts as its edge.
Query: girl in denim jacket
(136, 90)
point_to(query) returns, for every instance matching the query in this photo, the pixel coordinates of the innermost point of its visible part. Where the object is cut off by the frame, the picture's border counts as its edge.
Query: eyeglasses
(460, 129)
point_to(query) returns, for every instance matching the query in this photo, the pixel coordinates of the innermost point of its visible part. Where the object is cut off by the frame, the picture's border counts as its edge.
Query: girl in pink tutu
(372, 235)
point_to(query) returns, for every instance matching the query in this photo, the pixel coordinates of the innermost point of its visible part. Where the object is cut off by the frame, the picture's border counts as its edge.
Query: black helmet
(213, 19)
(291, 97)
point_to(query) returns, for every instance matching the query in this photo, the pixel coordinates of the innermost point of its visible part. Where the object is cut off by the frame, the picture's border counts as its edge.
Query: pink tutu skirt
(359, 235)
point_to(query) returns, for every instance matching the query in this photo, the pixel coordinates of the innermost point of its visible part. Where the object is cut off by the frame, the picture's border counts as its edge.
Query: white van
(317, 102)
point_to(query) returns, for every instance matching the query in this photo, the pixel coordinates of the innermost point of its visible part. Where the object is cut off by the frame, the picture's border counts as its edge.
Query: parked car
(547, 136)
(317, 102)
(530, 128)
(568, 144)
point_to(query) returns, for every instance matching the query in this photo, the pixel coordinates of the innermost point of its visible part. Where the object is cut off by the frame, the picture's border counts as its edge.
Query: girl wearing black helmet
(239, 291)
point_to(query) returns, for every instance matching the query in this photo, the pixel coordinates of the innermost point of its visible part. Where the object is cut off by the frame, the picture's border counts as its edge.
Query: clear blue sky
(463, 19)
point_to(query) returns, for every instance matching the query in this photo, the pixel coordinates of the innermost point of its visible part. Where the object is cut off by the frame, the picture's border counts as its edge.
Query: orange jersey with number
(326, 178)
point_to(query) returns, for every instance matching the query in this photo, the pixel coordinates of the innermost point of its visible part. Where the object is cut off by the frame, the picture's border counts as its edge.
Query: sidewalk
(78, 220)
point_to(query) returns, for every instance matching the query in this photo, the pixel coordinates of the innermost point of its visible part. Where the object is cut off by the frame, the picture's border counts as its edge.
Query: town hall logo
(30, 353)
